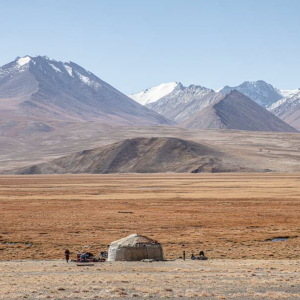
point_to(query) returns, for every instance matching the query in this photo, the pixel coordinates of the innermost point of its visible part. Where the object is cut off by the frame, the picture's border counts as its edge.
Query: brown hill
(237, 111)
(140, 155)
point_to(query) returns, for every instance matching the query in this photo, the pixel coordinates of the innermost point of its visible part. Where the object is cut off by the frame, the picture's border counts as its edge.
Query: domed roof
(133, 240)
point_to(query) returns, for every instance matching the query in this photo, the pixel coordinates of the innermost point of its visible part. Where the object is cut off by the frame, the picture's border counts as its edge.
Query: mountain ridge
(288, 109)
(236, 111)
(259, 91)
(172, 106)
(49, 89)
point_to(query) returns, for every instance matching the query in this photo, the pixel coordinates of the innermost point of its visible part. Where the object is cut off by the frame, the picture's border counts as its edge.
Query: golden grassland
(227, 215)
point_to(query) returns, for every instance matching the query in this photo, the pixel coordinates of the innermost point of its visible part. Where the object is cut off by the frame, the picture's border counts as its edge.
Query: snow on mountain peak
(155, 93)
(55, 68)
(23, 60)
(259, 91)
(68, 69)
(291, 97)
(288, 93)
(87, 80)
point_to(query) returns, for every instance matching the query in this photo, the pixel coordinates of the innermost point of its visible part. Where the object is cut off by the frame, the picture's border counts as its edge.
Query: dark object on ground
(67, 255)
(84, 264)
(202, 258)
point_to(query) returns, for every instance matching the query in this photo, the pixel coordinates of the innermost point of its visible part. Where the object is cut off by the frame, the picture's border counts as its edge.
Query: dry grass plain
(229, 216)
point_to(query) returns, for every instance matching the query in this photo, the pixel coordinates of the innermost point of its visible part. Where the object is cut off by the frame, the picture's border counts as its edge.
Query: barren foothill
(21, 147)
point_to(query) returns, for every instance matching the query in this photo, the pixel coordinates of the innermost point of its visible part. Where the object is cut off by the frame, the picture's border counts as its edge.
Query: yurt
(134, 248)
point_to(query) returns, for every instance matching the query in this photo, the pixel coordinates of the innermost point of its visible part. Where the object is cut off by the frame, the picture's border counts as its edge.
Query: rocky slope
(140, 155)
(259, 91)
(173, 106)
(288, 109)
(37, 87)
(236, 111)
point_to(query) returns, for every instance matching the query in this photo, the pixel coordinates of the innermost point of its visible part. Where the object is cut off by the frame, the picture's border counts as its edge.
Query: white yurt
(135, 248)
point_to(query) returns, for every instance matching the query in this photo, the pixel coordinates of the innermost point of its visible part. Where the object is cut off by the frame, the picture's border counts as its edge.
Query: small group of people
(193, 257)
(86, 256)
(201, 254)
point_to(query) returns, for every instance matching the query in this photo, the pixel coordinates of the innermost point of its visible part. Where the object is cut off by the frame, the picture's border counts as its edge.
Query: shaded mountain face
(259, 91)
(140, 155)
(288, 109)
(174, 106)
(236, 111)
(43, 88)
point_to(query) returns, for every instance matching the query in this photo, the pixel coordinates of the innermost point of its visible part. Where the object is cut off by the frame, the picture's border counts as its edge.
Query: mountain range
(51, 111)
(182, 102)
(45, 89)
(37, 91)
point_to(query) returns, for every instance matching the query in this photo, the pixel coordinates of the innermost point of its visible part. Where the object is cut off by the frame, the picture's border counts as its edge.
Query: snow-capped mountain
(259, 91)
(177, 105)
(155, 93)
(288, 108)
(288, 93)
(43, 88)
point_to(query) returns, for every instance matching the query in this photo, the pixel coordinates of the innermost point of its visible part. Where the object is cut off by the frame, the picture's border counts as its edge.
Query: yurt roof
(133, 240)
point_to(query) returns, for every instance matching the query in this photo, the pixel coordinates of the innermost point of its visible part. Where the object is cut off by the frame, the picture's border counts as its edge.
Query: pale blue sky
(136, 44)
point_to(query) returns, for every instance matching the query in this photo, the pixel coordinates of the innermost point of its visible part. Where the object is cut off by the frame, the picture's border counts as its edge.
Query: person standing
(67, 255)
(183, 255)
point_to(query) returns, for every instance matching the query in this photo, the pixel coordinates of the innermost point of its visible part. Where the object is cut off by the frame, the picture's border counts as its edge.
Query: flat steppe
(212, 279)
(228, 216)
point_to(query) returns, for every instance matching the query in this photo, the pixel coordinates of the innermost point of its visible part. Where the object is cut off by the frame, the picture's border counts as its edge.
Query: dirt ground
(228, 216)
(212, 279)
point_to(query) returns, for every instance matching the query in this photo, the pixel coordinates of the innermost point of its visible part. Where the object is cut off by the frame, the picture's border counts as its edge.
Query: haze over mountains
(47, 89)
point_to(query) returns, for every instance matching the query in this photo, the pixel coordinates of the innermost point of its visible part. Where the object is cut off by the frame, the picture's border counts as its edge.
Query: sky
(138, 44)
